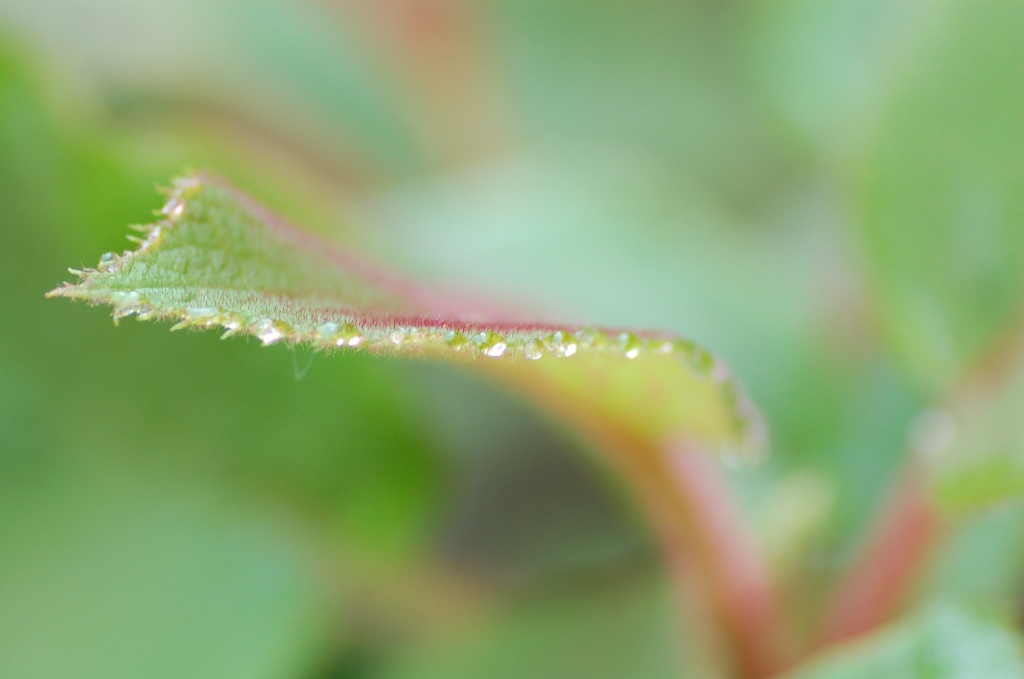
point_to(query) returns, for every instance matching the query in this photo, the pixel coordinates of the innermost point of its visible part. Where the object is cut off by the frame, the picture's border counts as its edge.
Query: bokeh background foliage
(827, 194)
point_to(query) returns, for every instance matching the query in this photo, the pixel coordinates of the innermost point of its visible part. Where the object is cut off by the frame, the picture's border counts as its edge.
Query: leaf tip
(65, 289)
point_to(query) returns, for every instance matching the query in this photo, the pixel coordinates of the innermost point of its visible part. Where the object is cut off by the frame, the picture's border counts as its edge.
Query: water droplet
(593, 339)
(630, 344)
(534, 349)
(563, 344)
(350, 335)
(702, 361)
(122, 312)
(126, 299)
(174, 208)
(670, 346)
(327, 333)
(397, 337)
(109, 261)
(455, 339)
(186, 185)
(269, 331)
(202, 315)
(491, 344)
(733, 457)
(125, 304)
(232, 327)
(347, 335)
(155, 234)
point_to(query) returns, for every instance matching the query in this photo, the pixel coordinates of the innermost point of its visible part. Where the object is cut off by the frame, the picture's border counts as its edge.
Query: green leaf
(942, 206)
(217, 259)
(940, 210)
(975, 448)
(617, 629)
(971, 486)
(943, 642)
(125, 574)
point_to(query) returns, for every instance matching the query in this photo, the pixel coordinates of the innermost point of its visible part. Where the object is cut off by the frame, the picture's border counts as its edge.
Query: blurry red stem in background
(903, 539)
(435, 47)
(712, 557)
(909, 528)
(440, 55)
(738, 585)
(438, 51)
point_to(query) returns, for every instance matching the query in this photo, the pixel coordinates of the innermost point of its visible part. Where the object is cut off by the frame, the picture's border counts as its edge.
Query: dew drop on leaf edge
(174, 209)
(108, 261)
(630, 344)
(269, 331)
(455, 339)
(490, 344)
(126, 299)
(563, 344)
(328, 332)
(534, 349)
(201, 315)
(593, 339)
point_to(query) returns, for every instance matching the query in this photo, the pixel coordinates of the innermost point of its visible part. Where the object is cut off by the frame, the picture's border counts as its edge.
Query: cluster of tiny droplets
(559, 344)
(171, 212)
(132, 303)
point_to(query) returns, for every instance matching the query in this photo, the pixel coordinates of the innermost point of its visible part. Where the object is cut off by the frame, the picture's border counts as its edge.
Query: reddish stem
(701, 529)
(441, 54)
(908, 530)
(904, 538)
(738, 587)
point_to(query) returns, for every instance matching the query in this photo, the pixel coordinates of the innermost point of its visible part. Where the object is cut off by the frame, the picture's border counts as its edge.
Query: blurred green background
(829, 195)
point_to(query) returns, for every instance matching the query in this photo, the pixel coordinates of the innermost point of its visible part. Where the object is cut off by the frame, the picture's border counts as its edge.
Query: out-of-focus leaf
(623, 630)
(982, 484)
(254, 464)
(983, 561)
(943, 642)
(219, 260)
(930, 89)
(122, 576)
(942, 208)
(611, 235)
(295, 68)
(661, 77)
(830, 67)
(364, 461)
(975, 449)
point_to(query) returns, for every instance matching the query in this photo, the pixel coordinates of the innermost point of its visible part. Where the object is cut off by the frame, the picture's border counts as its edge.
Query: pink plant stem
(707, 546)
(909, 529)
(739, 590)
(903, 540)
(711, 554)
(440, 51)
